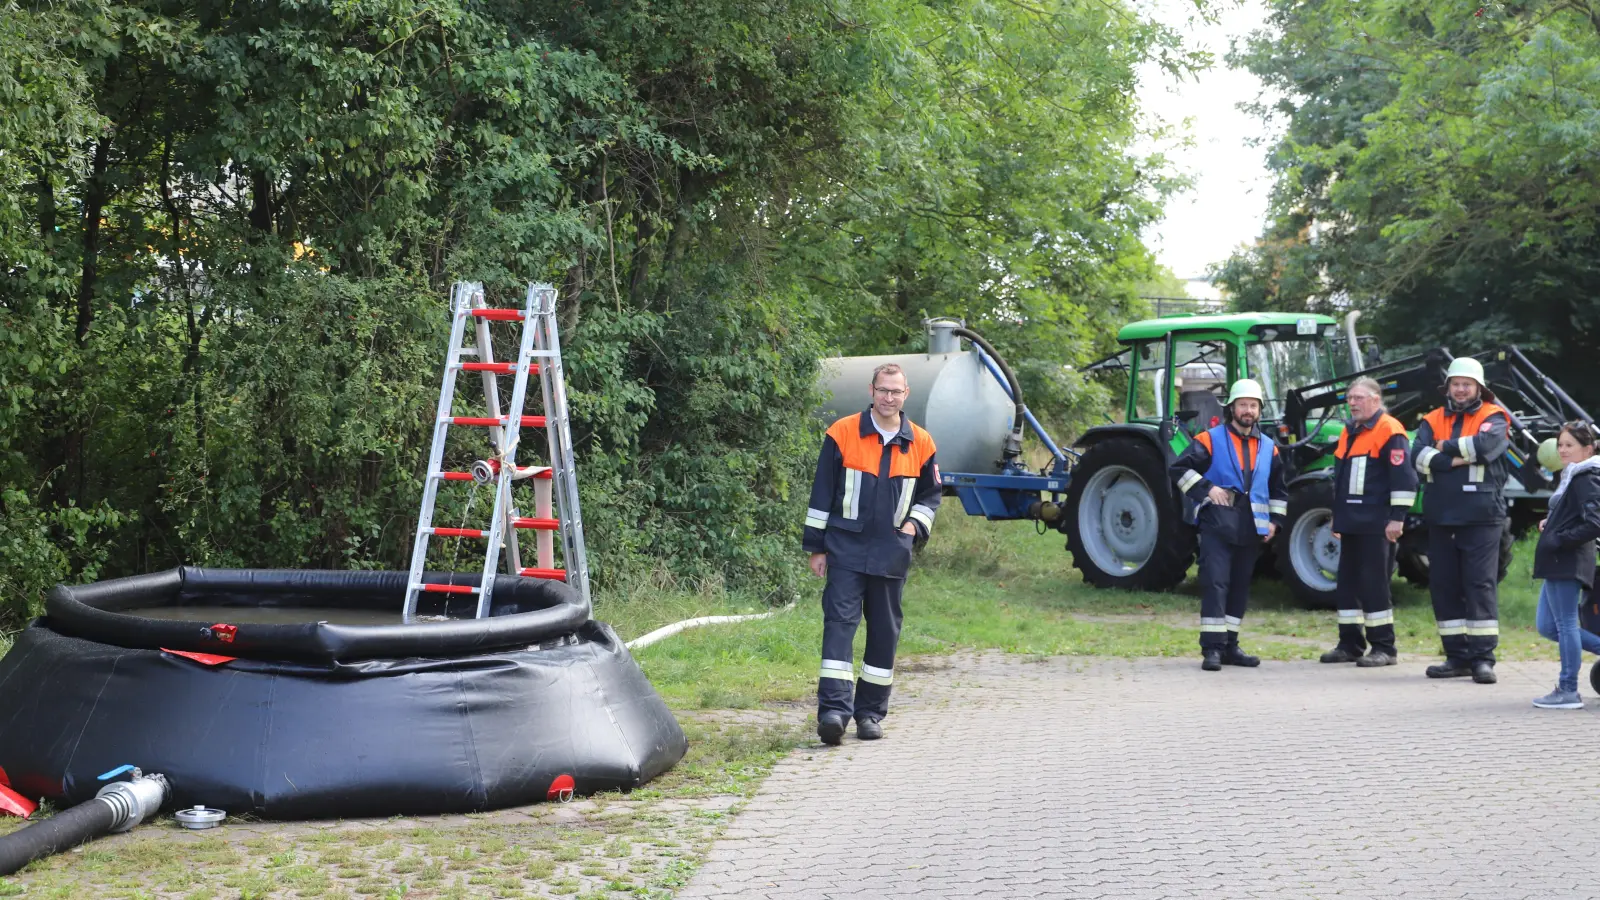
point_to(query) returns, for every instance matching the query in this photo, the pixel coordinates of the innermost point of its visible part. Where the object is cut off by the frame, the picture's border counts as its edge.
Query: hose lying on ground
(62, 831)
(118, 807)
(667, 631)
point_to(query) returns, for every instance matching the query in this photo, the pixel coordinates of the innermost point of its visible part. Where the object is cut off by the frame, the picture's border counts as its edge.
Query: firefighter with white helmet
(1460, 449)
(1232, 475)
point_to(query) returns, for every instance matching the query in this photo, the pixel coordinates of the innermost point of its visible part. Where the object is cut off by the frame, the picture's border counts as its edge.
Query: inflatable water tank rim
(525, 611)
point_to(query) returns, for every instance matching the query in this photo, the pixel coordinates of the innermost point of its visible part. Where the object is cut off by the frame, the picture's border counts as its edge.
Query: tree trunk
(94, 202)
(45, 192)
(261, 201)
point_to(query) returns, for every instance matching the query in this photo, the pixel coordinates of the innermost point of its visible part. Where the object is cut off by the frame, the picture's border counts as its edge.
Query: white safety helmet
(1246, 388)
(1465, 367)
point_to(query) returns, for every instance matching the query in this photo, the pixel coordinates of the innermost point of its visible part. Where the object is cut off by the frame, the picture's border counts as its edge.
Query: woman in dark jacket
(1565, 559)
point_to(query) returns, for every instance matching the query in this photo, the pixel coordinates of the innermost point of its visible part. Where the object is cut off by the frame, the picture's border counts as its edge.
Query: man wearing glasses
(876, 491)
(1373, 487)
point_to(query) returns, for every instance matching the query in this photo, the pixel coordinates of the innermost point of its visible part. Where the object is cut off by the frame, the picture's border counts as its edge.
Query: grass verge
(998, 585)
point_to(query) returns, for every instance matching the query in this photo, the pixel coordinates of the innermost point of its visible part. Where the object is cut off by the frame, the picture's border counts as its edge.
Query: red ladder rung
(499, 368)
(498, 315)
(449, 589)
(536, 524)
(549, 574)
(456, 476)
(485, 422)
(461, 532)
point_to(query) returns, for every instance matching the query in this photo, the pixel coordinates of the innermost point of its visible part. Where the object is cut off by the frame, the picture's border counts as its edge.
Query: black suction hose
(118, 807)
(1013, 447)
(62, 831)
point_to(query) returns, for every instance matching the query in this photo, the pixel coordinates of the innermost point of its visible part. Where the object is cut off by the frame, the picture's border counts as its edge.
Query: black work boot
(868, 729)
(830, 728)
(1233, 656)
(1376, 658)
(1340, 654)
(1211, 659)
(1450, 668)
(1483, 672)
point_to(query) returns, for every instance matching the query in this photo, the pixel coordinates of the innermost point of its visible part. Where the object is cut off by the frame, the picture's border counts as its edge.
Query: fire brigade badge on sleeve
(1397, 457)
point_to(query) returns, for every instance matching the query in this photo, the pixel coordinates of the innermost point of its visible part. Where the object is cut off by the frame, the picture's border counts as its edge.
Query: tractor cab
(1179, 368)
(1124, 521)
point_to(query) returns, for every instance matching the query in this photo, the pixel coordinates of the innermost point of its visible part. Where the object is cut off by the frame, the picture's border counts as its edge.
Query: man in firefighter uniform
(876, 491)
(1234, 477)
(1460, 451)
(1373, 487)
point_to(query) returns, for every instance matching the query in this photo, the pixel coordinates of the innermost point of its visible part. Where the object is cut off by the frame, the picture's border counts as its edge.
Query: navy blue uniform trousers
(1366, 608)
(844, 600)
(1225, 572)
(1463, 576)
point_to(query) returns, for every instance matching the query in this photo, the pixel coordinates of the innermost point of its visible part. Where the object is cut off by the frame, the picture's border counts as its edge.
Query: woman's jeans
(1557, 620)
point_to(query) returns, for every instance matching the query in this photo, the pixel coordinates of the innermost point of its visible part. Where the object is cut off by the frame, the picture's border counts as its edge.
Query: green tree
(231, 229)
(1437, 169)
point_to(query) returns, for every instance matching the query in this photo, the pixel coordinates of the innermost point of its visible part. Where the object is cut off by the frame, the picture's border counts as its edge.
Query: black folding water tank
(250, 692)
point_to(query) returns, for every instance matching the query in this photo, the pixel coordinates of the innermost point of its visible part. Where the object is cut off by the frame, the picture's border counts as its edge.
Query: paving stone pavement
(1009, 776)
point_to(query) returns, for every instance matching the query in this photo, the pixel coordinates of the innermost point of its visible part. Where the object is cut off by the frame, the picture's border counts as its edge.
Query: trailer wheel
(1124, 520)
(1308, 553)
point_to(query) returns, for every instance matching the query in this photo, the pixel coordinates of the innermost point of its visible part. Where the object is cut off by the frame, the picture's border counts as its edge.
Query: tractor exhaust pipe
(1350, 318)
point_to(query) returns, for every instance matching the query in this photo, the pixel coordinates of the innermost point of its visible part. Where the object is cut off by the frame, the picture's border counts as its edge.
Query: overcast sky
(1228, 202)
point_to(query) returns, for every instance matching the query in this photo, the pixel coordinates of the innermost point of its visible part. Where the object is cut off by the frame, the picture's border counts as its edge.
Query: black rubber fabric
(525, 611)
(369, 737)
(62, 831)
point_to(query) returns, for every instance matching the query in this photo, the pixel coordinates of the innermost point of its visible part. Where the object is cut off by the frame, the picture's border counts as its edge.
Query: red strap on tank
(14, 804)
(547, 574)
(204, 659)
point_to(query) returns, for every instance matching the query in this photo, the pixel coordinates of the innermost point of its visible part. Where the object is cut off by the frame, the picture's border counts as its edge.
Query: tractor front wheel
(1308, 553)
(1124, 520)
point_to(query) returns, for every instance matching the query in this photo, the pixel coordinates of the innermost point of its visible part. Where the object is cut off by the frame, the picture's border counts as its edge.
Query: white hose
(667, 631)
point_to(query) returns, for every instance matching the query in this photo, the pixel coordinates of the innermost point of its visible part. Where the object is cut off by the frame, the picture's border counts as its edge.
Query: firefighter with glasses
(1460, 450)
(1233, 476)
(1374, 486)
(876, 491)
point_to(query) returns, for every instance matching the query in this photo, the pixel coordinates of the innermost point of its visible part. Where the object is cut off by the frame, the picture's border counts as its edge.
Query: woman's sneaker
(1559, 699)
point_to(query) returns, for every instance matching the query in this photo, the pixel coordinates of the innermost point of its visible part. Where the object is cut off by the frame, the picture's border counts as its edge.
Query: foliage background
(228, 232)
(1438, 169)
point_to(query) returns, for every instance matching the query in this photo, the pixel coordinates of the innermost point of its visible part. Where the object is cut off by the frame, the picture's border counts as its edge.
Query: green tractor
(1123, 517)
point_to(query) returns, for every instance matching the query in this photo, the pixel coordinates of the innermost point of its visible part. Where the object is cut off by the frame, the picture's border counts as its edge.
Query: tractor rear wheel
(1124, 519)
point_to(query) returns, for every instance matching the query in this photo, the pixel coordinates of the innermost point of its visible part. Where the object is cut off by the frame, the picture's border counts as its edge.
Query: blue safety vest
(1226, 472)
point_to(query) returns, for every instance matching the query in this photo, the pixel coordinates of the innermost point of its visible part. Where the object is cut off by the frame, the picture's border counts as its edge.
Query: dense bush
(228, 233)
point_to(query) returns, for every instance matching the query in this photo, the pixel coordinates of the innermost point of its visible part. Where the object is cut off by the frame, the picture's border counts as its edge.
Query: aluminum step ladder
(555, 485)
